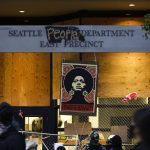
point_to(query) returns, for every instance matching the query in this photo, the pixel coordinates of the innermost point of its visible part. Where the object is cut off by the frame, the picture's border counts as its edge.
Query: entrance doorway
(34, 124)
(36, 119)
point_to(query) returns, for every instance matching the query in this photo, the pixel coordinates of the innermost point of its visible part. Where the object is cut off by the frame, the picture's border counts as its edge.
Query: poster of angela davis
(78, 88)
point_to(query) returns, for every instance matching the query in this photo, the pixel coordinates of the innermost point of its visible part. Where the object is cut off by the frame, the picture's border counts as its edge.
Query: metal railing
(46, 141)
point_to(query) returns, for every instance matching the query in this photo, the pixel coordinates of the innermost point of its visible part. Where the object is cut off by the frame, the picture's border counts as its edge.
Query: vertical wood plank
(27, 79)
(122, 73)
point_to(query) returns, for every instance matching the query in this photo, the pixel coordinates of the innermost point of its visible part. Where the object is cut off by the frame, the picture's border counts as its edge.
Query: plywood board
(27, 79)
(78, 128)
(122, 73)
(1, 74)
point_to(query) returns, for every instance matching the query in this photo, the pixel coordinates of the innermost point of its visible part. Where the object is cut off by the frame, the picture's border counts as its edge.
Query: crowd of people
(12, 139)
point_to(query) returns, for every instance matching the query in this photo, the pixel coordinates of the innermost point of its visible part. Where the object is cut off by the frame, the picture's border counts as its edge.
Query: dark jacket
(112, 148)
(142, 146)
(93, 147)
(12, 140)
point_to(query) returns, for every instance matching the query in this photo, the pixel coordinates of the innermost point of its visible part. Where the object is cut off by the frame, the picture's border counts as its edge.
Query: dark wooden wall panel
(113, 21)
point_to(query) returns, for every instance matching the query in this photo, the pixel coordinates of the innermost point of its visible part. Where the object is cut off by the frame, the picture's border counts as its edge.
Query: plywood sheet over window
(122, 73)
(27, 79)
(1, 74)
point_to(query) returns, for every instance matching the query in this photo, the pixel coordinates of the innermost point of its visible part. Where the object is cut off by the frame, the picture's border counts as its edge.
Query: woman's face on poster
(78, 83)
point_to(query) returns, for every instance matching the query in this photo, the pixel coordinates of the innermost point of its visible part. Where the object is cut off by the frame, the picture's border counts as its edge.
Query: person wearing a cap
(10, 138)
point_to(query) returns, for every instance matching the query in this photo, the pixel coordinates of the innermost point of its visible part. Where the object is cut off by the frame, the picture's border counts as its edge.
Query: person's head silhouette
(115, 142)
(142, 124)
(61, 148)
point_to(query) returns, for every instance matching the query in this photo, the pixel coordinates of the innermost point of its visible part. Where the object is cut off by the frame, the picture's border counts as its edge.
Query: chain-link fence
(113, 117)
(116, 117)
(45, 141)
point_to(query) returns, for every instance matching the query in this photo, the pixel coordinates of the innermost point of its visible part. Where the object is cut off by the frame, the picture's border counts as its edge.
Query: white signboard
(73, 38)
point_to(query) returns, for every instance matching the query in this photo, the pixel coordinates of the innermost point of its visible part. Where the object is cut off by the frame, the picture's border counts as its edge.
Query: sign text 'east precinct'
(73, 38)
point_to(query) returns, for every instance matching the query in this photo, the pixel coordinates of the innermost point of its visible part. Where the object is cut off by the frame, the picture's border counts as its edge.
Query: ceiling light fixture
(22, 11)
(131, 5)
(128, 14)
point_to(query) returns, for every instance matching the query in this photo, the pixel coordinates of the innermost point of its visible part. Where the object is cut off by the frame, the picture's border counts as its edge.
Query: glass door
(34, 125)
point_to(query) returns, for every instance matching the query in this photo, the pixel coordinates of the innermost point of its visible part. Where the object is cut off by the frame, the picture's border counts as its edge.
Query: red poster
(78, 88)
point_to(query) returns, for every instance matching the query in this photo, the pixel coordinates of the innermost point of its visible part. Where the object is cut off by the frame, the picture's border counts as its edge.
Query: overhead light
(127, 14)
(131, 5)
(22, 11)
